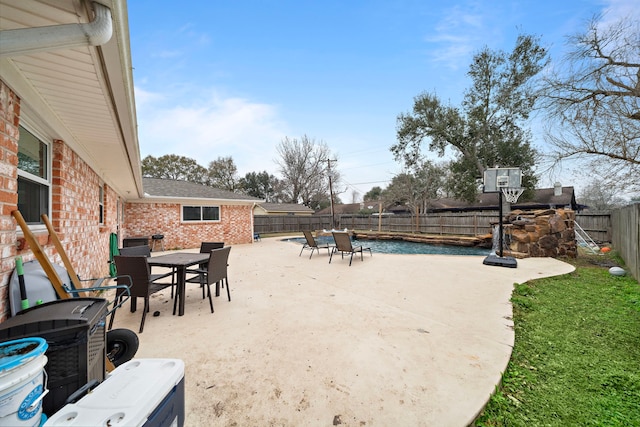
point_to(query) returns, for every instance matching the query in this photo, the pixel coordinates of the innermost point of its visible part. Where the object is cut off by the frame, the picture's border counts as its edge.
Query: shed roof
(285, 207)
(542, 198)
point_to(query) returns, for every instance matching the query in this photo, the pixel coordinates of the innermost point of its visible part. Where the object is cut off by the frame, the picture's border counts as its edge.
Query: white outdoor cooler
(141, 392)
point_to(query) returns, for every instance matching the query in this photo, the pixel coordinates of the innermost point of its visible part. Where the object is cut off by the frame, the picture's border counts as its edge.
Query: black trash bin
(74, 328)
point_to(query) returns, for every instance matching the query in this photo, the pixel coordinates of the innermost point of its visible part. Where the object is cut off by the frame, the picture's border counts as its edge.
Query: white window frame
(49, 161)
(194, 221)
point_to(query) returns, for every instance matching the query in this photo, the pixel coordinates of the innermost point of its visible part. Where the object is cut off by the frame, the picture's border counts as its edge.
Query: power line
(369, 150)
(368, 166)
(370, 182)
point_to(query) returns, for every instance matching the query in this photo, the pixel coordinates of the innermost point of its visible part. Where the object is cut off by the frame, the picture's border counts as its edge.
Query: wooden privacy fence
(598, 225)
(625, 236)
(290, 223)
(463, 224)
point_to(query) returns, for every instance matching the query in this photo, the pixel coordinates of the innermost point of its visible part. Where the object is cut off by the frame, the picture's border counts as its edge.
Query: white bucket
(21, 381)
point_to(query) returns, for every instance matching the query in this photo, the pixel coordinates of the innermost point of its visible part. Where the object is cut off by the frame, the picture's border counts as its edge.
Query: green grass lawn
(576, 359)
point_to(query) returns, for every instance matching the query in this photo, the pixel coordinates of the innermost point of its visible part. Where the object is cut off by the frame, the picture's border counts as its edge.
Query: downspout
(253, 225)
(24, 41)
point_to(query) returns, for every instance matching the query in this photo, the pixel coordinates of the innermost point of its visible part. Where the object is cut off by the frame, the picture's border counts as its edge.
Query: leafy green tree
(172, 166)
(398, 192)
(592, 99)
(373, 194)
(223, 174)
(262, 185)
(488, 129)
(418, 189)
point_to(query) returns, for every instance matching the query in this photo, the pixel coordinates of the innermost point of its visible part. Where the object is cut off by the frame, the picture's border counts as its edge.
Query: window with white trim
(34, 177)
(200, 213)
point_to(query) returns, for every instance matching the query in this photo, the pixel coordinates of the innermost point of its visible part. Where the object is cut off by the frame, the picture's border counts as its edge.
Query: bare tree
(304, 165)
(593, 103)
(598, 196)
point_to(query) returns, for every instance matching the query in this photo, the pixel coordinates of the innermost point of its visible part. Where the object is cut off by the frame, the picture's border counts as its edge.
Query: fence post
(475, 223)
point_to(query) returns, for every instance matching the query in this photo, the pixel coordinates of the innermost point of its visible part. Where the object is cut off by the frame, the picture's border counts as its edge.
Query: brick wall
(9, 120)
(75, 212)
(75, 201)
(146, 219)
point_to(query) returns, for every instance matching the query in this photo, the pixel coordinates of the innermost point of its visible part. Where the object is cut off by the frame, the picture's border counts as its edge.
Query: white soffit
(83, 95)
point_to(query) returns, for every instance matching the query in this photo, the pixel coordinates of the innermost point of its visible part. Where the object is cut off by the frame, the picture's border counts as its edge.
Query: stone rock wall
(541, 233)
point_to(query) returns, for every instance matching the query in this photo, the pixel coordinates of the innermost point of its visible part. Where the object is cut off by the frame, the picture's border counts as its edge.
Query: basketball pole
(499, 260)
(500, 226)
(502, 181)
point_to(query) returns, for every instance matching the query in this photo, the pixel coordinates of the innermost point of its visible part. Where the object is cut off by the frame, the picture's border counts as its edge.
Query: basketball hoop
(506, 182)
(511, 194)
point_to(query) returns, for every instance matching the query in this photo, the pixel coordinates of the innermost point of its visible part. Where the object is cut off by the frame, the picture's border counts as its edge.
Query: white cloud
(144, 98)
(457, 35)
(617, 9)
(210, 127)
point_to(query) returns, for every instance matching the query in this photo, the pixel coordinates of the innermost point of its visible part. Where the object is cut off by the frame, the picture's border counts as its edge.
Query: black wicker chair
(214, 272)
(134, 272)
(205, 248)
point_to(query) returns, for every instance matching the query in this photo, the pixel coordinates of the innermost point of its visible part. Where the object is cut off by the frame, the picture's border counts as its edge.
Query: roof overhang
(194, 201)
(82, 95)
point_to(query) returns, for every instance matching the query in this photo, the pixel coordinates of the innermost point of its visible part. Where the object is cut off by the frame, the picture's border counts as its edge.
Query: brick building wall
(75, 201)
(146, 219)
(9, 120)
(74, 211)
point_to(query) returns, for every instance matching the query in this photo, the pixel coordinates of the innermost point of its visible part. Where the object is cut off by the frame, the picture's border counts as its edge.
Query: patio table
(180, 261)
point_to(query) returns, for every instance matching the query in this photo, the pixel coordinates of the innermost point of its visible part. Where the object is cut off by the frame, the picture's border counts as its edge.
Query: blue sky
(233, 78)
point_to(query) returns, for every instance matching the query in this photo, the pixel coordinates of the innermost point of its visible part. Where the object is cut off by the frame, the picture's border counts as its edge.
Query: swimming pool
(403, 247)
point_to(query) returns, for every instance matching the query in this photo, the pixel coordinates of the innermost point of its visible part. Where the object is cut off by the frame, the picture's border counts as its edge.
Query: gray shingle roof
(542, 198)
(285, 207)
(156, 187)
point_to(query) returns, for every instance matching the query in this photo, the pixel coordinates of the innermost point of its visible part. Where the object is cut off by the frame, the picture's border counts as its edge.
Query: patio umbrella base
(498, 261)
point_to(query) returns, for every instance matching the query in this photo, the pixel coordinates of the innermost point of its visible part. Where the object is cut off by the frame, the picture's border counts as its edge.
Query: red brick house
(69, 145)
(186, 214)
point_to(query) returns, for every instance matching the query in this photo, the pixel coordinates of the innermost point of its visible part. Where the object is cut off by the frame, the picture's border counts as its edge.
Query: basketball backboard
(495, 179)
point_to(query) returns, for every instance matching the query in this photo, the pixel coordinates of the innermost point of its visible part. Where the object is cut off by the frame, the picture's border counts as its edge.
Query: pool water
(402, 247)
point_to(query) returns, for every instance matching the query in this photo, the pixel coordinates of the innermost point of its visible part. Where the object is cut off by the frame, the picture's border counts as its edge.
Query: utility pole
(331, 191)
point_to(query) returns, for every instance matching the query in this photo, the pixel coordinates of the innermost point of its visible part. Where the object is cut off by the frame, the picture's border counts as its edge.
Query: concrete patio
(394, 340)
